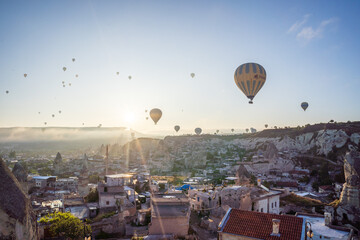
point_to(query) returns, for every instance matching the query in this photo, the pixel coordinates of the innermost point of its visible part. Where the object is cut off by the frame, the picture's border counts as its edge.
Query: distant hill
(62, 138)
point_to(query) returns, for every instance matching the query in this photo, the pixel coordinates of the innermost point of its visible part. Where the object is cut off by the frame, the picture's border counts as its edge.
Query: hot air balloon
(38, 112)
(192, 75)
(217, 131)
(7, 92)
(45, 123)
(73, 59)
(155, 115)
(247, 130)
(304, 105)
(83, 124)
(232, 130)
(198, 131)
(53, 115)
(250, 77)
(64, 68)
(129, 77)
(70, 84)
(147, 118)
(76, 75)
(117, 73)
(146, 110)
(177, 128)
(266, 126)
(99, 125)
(63, 82)
(63, 85)
(25, 75)
(60, 111)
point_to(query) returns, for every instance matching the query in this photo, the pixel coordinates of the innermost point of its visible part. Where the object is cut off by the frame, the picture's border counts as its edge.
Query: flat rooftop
(319, 229)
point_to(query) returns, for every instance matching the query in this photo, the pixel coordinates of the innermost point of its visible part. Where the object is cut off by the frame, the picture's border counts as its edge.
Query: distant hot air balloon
(53, 115)
(217, 131)
(63, 85)
(250, 77)
(129, 77)
(232, 130)
(247, 130)
(266, 126)
(7, 92)
(147, 118)
(155, 115)
(198, 131)
(73, 59)
(192, 75)
(63, 82)
(45, 123)
(38, 112)
(304, 105)
(177, 128)
(60, 111)
(117, 73)
(99, 125)
(76, 75)
(146, 110)
(64, 68)
(83, 124)
(25, 75)
(70, 84)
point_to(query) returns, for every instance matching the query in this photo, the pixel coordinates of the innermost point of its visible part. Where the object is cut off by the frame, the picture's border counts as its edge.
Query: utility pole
(106, 159)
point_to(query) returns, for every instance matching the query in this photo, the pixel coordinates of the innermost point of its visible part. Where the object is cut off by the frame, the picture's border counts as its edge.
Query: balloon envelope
(25, 75)
(198, 131)
(232, 130)
(250, 77)
(177, 128)
(73, 59)
(155, 115)
(266, 125)
(192, 75)
(64, 68)
(304, 105)
(129, 77)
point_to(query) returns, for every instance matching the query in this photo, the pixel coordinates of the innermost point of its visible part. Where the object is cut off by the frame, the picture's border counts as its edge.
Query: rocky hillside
(330, 140)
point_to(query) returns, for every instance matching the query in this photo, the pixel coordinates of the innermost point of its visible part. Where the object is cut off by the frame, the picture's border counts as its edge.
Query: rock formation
(348, 209)
(20, 172)
(58, 162)
(17, 220)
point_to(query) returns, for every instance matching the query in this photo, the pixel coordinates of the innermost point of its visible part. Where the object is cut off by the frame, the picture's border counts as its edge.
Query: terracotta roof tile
(259, 225)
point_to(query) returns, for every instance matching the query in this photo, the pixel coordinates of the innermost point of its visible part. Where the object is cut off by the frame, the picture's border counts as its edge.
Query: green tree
(66, 225)
(12, 154)
(93, 196)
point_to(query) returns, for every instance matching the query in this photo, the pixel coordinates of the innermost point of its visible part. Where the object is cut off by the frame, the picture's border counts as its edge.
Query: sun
(129, 118)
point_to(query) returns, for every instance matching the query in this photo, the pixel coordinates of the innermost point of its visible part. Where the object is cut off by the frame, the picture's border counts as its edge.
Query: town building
(170, 215)
(247, 225)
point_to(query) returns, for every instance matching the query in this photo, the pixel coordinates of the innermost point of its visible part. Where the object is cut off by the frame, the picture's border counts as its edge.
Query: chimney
(106, 159)
(259, 182)
(327, 218)
(276, 226)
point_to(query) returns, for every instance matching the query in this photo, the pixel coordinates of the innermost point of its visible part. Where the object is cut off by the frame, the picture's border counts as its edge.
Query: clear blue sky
(310, 50)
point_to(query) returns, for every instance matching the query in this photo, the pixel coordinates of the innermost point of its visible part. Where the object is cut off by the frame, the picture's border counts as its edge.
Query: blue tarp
(184, 187)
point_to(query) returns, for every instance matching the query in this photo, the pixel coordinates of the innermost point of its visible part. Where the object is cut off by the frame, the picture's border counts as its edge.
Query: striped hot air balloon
(250, 77)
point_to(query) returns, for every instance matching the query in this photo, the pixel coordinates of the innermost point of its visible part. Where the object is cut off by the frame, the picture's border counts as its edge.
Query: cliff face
(350, 195)
(17, 220)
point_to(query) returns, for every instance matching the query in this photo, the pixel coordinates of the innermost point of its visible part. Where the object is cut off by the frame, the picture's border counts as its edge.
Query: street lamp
(309, 233)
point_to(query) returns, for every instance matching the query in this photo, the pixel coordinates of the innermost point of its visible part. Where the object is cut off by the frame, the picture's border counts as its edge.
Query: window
(272, 205)
(262, 210)
(105, 189)
(275, 204)
(107, 202)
